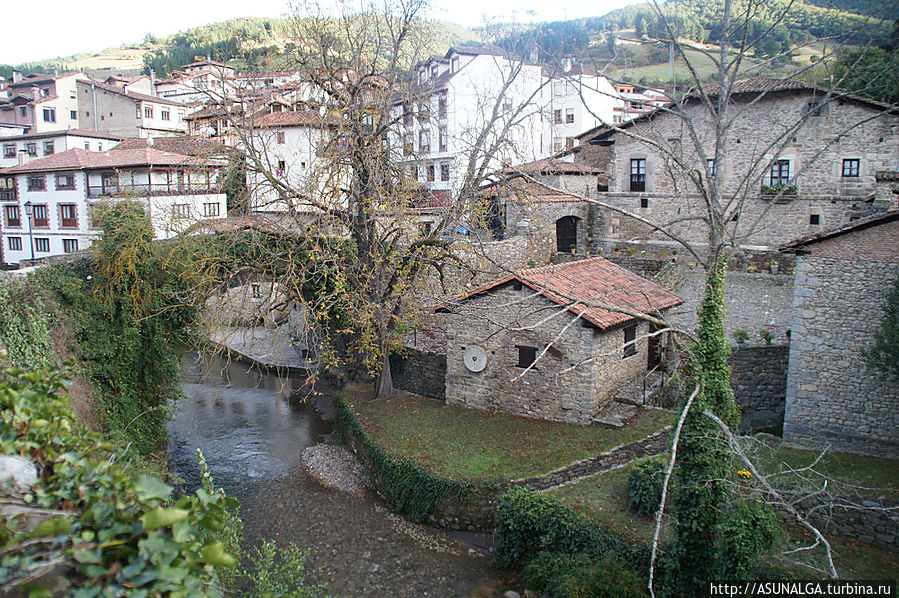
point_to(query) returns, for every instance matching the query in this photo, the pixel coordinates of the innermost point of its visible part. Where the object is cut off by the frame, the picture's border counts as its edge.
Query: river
(252, 428)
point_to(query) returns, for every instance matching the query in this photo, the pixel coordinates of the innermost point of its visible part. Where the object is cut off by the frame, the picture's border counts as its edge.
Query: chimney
(567, 64)
(24, 157)
(16, 76)
(153, 83)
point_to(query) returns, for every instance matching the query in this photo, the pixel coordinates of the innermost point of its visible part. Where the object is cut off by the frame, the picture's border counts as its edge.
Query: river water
(252, 428)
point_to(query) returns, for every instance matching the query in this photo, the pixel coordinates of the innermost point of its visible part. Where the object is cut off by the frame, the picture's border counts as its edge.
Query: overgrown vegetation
(24, 326)
(406, 487)
(131, 319)
(120, 534)
(644, 486)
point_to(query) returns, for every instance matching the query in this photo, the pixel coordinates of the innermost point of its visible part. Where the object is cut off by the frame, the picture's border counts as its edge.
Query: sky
(59, 28)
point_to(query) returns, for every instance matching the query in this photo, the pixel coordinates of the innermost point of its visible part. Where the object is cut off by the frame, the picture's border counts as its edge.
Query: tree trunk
(384, 381)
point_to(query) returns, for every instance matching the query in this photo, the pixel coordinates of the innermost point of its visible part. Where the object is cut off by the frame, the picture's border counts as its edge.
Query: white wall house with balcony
(48, 204)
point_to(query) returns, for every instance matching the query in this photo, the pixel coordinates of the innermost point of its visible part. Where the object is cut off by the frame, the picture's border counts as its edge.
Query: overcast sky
(55, 28)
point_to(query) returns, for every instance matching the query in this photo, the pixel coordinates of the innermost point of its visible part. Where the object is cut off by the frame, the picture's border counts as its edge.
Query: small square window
(42, 245)
(557, 117)
(73, 114)
(814, 219)
(69, 245)
(444, 172)
(256, 290)
(851, 167)
(280, 137)
(569, 115)
(526, 356)
(49, 148)
(15, 243)
(630, 340)
(644, 202)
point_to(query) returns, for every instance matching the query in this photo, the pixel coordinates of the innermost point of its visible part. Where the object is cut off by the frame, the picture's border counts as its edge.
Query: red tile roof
(142, 97)
(81, 159)
(181, 144)
(595, 280)
(860, 224)
(300, 118)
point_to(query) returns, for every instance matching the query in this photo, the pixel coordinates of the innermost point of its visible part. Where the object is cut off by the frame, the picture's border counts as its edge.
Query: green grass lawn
(468, 444)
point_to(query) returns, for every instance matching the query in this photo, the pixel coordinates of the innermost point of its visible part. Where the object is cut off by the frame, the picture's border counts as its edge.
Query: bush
(583, 576)
(740, 335)
(644, 487)
(530, 522)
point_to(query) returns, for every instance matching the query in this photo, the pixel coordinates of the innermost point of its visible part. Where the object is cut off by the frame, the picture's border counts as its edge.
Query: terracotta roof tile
(81, 159)
(131, 94)
(184, 145)
(300, 118)
(596, 280)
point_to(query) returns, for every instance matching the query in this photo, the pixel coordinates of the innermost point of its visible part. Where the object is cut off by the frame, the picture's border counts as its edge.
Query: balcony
(97, 191)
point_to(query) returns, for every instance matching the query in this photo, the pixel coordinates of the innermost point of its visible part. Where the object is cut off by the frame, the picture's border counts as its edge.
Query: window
(23, 111)
(430, 173)
(49, 148)
(569, 115)
(424, 141)
(211, 209)
(815, 108)
(39, 214)
(9, 150)
(164, 114)
(441, 139)
(148, 111)
(444, 172)
(424, 111)
(68, 215)
(526, 356)
(851, 167)
(814, 219)
(713, 168)
(69, 245)
(780, 173)
(569, 143)
(73, 114)
(424, 228)
(557, 116)
(441, 107)
(256, 290)
(630, 340)
(558, 144)
(37, 182)
(87, 145)
(638, 174)
(507, 106)
(15, 243)
(407, 114)
(31, 149)
(13, 217)
(280, 137)
(44, 92)
(65, 181)
(49, 115)
(282, 166)
(42, 245)
(644, 202)
(181, 210)
(454, 64)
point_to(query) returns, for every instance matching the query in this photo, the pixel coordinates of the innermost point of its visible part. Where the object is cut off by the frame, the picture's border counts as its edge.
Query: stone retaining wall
(759, 379)
(420, 372)
(870, 521)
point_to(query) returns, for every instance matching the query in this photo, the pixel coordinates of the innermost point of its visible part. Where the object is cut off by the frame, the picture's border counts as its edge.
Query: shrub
(644, 487)
(407, 488)
(740, 335)
(766, 335)
(530, 522)
(583, 576)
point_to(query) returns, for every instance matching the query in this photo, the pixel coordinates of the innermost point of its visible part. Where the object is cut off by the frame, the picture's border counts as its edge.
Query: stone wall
(815, 152)
(870, 521)
(420, 372)
(833, 397)
(754, 301)
(503, 319)
(759, 379)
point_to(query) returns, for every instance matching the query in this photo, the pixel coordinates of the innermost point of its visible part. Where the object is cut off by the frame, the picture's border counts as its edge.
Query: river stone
(511, 594)
(17, 469)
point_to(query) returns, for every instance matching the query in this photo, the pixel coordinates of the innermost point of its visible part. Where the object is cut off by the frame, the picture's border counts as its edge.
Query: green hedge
(644, 486)
(530, 523)
(408, 489)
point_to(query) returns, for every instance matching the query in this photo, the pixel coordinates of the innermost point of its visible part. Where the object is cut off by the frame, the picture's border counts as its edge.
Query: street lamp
(29, 210)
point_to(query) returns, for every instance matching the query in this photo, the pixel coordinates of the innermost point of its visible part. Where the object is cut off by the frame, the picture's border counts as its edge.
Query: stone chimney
(16, 76)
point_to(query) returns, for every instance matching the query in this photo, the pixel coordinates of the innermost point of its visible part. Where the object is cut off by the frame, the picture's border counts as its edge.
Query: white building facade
(48, 204)
(17, 149)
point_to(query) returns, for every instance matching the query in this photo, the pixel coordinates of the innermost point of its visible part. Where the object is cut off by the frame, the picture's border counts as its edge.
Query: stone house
(820, 149)
(833, 398)
(536, 344)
